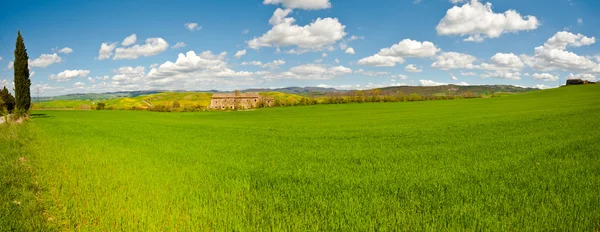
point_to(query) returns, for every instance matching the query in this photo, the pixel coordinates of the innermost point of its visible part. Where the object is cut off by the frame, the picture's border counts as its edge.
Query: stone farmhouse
(225, 101)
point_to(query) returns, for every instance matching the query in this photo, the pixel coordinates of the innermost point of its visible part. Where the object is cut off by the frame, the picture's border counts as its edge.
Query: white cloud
(372, 74)
(397, 52)
(502, 75)
(350, 51)
(200, 71)
(45, 60)
(318, 61)
(412, 68)
(31, 74)
(7, 84)
(476, 20)
(272, 65)
(67, 75)
(193, 26)
(545, 77)
(324, 55)
(10, 65)
(129, 40)
(0, 58)
(454, 60)
(314, 36)
(457, 1)
(301, 4)
(255, 63)
(106, 50)
(128, 76)
(78, 85)
(315, 72)
(245, 31)
(563, 39)
(179, 45)
(553, 56)
(580, 21)
(336, 61)
(465, 74)
(240, 53)
(65, 50)
(504, 61)
(381, 61)
(583, 76)
(430, 83)
(454, 78)
(91, 80)
(152, 47)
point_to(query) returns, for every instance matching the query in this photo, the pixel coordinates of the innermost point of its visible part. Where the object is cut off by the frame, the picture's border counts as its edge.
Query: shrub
(100, 106)
(176, 104)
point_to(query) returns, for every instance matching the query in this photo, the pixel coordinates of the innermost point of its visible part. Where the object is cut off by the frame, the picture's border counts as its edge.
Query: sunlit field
(514, 163)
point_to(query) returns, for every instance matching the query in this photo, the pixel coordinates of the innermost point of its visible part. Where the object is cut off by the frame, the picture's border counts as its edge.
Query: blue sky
(346, 44)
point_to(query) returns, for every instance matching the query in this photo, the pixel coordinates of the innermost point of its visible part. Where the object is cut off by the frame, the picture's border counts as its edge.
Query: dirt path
(147, 103)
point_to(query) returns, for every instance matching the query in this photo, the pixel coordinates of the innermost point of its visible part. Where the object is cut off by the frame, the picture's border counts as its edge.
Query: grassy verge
(21, 203)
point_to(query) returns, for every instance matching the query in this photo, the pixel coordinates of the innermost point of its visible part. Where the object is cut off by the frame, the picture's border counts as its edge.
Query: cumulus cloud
(314, 36)
(10, 65)
(563, 39)
(412, 68)
(430, 83)
(68, 75)
(179, 45)
(45, 60)
(397, 52)
(454, 60)
(502, 75)
(129, 40)
(128, 75)
(240, 53)
(301, 4)
(350, 51)
(454, 78)
(79, 85)
(65, 50)
(504, 61)
(106, 50)
(193, 26)
(372, 74)
(272, 65)
(554, 56)
(315, 72)
(477, 21)
(545, 77)
(152, 47)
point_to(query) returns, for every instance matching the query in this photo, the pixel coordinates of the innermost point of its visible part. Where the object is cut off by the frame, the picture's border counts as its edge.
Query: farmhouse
(579, 82)
(238, 100)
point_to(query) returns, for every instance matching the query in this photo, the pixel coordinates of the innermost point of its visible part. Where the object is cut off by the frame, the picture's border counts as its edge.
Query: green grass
(527, 162)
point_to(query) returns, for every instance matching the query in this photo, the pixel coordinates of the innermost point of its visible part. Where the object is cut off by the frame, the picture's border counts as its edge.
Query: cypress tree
(22, 81)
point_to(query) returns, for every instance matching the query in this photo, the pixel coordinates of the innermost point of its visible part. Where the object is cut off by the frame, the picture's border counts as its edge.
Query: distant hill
(296, 90)
(308, 91)
(455, 89)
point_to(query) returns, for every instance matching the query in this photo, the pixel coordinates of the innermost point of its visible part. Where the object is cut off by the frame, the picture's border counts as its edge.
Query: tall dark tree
(22, 81)
(7, 99)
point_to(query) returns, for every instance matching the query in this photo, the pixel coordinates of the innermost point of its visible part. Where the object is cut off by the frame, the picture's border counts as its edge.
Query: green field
(526, 162)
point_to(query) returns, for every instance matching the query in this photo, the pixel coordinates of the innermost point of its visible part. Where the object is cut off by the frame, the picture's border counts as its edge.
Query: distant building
(223, 101)
(579, 82)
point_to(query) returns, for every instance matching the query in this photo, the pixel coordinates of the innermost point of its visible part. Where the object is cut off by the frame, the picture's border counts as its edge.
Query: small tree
(8, 101)
(21, 76)
(100, 106)
(176, 104)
